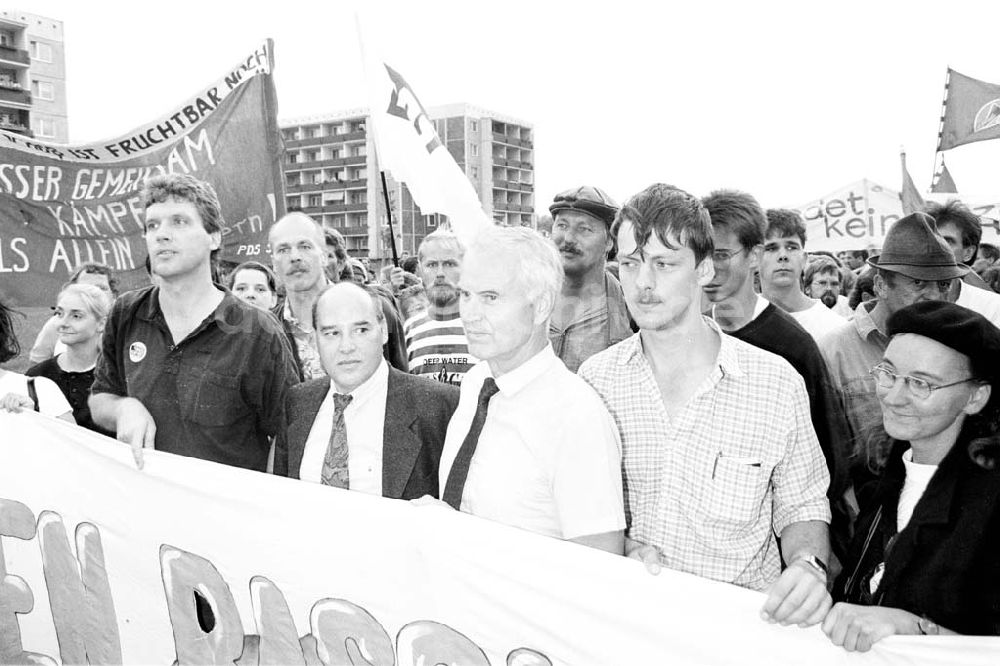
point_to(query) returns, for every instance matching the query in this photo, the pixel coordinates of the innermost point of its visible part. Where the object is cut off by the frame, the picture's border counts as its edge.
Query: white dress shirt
(548, 458)
(364, 419)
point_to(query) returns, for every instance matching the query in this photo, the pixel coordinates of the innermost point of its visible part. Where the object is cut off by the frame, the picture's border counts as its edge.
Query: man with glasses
(916, 264)
(738, 224)
(590, 314)
(781, 266)
(823, 281)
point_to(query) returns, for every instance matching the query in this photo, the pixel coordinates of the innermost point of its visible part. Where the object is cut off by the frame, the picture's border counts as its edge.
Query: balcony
(11, 54)
(15, 127)
(355, 160)
(11, 96)
(336, 208)
(330, 139)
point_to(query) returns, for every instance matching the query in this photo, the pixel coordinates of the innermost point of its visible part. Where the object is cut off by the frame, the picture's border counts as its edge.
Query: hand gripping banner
(61, 205)
(205, 564)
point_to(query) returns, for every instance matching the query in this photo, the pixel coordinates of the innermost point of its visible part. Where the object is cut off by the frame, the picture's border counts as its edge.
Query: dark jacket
(417, 411)
(945, 564)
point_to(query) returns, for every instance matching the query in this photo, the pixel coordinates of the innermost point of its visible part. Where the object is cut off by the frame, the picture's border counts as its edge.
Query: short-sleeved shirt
(75, 386)
(218, 394)
(850, 352)
(548, 458)
(711, 487)
(595, 330)
(305, 345)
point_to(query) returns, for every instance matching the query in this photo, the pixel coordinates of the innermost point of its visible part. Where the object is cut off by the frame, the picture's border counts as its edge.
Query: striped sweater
(437, 348)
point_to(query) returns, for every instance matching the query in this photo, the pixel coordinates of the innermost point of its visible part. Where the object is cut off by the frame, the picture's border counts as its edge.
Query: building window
(43, 90)
(431, 221)
(358, 151)
(363, 219)
(474, 150)
(41, 51)
(44, 127)
(475, 172)
(313, 156)
(474, 125)
(293, 158)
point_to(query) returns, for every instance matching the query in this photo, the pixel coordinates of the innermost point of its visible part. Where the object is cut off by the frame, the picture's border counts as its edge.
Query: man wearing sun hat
(916, 264)
(590, 314)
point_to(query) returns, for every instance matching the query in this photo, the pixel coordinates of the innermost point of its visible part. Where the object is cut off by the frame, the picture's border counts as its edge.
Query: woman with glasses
(926, 552)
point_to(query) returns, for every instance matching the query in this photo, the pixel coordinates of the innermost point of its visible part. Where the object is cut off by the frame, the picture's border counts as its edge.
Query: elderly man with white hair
(530, 444)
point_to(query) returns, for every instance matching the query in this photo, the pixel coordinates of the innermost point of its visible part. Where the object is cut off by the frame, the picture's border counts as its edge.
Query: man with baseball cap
(916, 264)
(590, 314)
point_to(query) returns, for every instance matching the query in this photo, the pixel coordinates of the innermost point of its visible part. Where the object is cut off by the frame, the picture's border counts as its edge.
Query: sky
(785, 100)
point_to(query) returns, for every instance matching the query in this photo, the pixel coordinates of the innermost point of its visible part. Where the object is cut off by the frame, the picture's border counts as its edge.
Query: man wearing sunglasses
(916, 265)
(590, 314)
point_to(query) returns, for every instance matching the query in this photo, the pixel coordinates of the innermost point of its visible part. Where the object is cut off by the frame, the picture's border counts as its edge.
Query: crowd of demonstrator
(676, 380)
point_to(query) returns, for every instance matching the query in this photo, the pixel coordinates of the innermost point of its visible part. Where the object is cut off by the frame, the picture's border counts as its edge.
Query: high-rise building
(332, 173)
(32, 76)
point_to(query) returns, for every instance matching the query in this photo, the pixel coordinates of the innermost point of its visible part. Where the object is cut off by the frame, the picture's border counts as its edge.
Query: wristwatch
(817, 564)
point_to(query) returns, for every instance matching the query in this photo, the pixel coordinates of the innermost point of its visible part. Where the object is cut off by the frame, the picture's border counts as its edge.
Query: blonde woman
(81, 312)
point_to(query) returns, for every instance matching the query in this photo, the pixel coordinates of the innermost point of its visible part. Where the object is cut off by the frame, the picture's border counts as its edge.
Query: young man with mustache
(590, 314)
(719, 454)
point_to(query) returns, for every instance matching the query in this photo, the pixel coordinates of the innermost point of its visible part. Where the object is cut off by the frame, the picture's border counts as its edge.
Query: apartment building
(32, 76)
(332, 173)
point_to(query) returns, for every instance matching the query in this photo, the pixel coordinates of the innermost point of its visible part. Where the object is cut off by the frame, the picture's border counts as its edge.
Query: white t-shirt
(917, 478)
(818, 320)
(843, 307)
(986, 303)
(364, 420)
(51, 400)
(548, 458)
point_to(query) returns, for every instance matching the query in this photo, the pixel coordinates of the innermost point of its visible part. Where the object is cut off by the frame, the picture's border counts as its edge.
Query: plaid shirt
(711, 487)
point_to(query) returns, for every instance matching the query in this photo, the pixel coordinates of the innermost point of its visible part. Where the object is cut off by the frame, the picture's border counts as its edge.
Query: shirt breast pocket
(218, 400)
(734, 494)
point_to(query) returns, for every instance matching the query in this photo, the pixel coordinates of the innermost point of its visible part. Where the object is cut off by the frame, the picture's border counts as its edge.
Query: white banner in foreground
(203, 563)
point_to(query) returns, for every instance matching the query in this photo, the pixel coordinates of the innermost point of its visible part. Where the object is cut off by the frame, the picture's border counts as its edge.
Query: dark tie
(335, 471)
(460, 468)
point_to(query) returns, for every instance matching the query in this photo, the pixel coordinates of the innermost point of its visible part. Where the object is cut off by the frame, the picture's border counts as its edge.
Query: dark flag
(971, 111)
(943, 182)
(912, 201)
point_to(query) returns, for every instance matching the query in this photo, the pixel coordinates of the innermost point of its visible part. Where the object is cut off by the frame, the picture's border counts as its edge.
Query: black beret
(959, 328)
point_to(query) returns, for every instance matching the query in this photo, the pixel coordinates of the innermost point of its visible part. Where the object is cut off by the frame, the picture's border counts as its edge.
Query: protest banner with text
(205, 564)
(857, 217)
(61, 205)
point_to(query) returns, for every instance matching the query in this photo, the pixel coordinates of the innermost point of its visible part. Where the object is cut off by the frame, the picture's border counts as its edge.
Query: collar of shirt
(536, 366)
(727, 362)
(151, 310)
(759, 306)
(379, 381)
(286, 312)
(863, 320)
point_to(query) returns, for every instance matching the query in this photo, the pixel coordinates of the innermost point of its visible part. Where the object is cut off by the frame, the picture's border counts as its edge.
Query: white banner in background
(857, 216)
(202, 563)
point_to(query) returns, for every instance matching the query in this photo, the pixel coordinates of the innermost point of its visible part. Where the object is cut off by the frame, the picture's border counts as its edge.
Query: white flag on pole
(408, 146)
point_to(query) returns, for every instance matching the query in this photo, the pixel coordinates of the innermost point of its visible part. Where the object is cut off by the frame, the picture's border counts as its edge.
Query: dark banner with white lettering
(61, 205)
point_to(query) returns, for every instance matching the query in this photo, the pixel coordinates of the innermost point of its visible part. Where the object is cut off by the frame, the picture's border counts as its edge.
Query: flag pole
(388, 216)
(944, 108)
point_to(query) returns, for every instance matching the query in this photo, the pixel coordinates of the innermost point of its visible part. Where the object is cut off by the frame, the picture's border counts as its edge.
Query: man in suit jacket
(366, 426)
